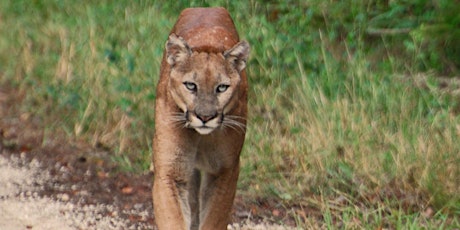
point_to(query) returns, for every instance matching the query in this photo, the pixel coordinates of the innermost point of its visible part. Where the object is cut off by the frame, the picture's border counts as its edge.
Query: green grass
(350, 124)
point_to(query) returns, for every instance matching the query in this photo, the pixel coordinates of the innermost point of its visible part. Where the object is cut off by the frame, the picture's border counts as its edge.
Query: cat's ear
(177, 50)
(238, 55)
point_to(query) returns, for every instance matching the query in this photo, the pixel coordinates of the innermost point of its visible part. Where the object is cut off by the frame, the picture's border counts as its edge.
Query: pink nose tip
(206, 118)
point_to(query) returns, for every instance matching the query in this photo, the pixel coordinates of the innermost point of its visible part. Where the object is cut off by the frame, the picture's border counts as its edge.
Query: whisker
(237, 128)
(177, 119)
(232, 123)
(235, 117)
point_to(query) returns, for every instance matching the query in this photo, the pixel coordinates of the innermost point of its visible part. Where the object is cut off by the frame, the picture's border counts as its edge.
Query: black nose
(205, 118)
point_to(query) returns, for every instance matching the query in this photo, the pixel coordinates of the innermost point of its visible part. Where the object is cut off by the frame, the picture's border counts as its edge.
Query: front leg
(173, 165)
(170, 198)
(217, 194)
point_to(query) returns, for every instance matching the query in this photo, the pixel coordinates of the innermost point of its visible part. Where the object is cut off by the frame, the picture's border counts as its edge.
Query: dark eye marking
(222, 88)
(190, 86)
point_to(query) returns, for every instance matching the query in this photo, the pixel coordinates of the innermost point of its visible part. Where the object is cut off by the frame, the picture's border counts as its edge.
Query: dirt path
(22, 207)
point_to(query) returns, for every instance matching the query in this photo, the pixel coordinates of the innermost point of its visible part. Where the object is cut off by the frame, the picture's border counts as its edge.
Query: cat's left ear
(238, 55)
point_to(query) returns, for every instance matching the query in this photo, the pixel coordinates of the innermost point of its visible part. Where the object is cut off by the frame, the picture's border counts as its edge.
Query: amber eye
(222, 88)
(190, 86)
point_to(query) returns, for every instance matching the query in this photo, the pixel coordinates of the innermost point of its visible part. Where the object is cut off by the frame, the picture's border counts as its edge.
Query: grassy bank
(346, 118)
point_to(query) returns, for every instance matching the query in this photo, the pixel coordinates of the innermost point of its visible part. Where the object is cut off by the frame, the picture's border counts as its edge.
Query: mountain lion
(200, 121)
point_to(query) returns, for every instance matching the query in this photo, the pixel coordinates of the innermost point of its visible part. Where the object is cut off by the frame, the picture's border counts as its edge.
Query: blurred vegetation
(354, 104)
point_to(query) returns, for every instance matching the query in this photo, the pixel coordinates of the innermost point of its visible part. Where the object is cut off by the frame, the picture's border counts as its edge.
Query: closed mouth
(203, 130)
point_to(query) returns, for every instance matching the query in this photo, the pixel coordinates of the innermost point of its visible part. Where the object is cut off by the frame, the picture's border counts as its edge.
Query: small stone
(138, 206)
(65, 197)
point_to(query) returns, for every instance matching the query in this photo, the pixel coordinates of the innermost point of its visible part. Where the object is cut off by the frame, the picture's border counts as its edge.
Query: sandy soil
(23, 208)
